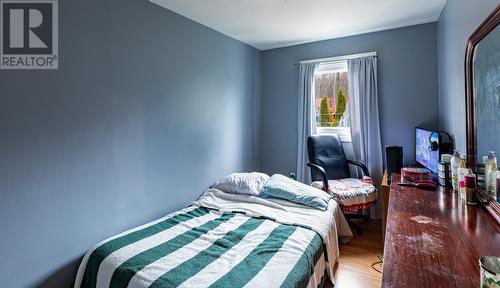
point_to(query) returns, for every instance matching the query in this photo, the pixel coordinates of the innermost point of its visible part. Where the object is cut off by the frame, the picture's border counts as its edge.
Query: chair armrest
(360, 165)
(323, 175)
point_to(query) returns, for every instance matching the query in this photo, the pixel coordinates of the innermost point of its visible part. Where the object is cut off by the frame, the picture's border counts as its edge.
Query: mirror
(483, 108)
(486, 79)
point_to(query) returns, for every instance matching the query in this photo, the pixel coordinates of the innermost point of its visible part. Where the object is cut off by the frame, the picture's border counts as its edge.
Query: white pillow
(242, 183)
(282, 187)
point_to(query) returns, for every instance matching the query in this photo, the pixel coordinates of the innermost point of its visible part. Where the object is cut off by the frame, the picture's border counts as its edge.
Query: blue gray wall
(407, 78)
(146, 109)
(458, 20)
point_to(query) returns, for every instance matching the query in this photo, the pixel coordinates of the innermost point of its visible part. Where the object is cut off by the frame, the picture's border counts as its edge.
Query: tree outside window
(331, 93)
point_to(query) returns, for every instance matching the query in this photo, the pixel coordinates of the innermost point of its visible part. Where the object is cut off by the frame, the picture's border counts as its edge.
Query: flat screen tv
(423, 152)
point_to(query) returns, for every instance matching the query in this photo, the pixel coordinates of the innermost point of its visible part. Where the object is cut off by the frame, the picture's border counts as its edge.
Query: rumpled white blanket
(329, 224)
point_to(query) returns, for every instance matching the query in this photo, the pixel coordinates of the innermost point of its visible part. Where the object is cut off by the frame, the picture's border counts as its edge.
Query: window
(331, 103)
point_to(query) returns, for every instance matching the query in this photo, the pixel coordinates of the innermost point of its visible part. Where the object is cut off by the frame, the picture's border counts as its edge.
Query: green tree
(324, 112)
(340, 109)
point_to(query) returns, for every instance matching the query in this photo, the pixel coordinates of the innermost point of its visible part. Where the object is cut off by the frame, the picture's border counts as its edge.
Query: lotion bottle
(454, 164)
(461, 172)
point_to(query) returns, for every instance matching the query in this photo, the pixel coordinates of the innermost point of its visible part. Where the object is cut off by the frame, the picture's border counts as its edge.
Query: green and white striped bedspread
(201, 247)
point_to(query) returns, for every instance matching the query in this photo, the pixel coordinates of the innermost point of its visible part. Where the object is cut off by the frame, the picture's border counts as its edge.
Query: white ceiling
(267, 24)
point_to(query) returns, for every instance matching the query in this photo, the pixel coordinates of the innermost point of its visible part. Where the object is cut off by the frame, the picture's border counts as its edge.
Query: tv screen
(424, 155)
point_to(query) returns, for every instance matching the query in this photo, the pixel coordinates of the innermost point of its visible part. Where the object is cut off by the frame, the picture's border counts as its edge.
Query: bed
(222, 240)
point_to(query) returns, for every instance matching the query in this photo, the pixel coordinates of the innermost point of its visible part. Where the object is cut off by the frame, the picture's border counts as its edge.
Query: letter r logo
(18, 25)
(27, 27)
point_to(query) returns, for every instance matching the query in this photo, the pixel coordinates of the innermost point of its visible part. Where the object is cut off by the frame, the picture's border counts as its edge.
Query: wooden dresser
(432, 239)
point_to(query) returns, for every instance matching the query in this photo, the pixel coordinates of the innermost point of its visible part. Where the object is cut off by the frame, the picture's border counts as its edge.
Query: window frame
(333, 67)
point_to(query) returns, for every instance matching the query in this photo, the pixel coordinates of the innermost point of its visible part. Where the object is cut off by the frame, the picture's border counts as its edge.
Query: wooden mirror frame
(486, 27)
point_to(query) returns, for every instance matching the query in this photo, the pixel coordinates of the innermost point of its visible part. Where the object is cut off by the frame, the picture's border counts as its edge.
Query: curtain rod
(343, 57)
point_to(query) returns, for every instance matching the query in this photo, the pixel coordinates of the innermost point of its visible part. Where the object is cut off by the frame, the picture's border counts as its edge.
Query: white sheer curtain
(307, 118)
(364, 118)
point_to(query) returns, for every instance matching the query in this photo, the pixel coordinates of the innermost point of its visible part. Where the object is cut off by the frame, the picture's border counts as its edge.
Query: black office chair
(330, 172)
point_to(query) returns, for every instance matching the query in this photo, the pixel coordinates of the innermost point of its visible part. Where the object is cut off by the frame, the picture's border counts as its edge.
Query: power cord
(381, 261)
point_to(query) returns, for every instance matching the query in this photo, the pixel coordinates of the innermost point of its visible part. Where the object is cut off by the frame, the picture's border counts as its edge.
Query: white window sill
(343, 132)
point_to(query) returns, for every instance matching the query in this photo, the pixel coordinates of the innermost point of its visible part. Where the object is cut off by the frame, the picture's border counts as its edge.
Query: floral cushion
(351, 193)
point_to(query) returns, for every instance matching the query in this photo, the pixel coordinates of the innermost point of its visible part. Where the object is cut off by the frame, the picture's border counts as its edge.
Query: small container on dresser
(470, 188)
(444, 170)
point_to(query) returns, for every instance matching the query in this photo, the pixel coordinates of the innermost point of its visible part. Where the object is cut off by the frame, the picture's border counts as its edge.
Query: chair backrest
(327, 152)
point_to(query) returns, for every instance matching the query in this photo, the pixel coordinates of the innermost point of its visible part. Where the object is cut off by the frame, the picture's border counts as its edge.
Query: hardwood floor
(354, 268)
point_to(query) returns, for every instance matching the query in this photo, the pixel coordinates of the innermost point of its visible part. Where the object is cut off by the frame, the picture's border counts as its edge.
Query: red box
(414, 174)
